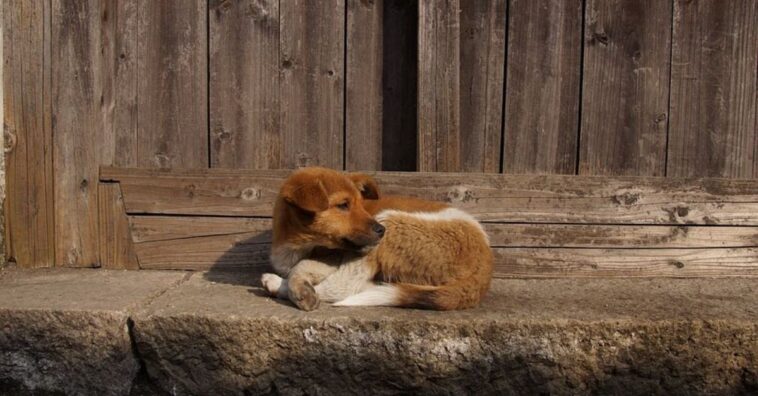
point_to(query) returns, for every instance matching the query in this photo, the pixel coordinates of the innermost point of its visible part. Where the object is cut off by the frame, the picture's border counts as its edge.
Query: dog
(336, 239)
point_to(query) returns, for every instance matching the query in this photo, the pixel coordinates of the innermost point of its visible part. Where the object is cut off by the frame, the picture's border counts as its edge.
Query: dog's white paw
(272, 283)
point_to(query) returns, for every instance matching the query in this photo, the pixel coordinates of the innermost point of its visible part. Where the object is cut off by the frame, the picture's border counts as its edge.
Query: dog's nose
(378, 229)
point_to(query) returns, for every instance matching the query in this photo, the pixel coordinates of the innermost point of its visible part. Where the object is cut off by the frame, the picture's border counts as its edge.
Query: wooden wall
(591, 87)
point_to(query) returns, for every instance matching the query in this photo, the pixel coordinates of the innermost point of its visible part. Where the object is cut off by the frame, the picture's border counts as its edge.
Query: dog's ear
(366, 185)
(306, 193)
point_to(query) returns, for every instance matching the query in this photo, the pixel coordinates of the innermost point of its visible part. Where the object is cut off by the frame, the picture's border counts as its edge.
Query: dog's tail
(458, 295)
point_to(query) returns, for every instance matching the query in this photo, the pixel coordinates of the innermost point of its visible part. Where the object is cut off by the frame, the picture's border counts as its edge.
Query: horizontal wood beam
(490, 197)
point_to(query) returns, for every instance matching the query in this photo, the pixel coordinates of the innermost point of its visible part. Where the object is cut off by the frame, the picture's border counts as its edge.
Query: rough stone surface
(214, 333)
(67, 331)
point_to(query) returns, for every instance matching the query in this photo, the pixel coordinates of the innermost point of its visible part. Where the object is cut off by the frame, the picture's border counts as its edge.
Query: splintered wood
(539, 225)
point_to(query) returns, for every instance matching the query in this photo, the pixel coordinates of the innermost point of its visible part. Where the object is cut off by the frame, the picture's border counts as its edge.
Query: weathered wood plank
(116, 248)
(250, 250)
(619, 236)
(119, 32)
(439, 124)
(684, 263)
(29, 218)
(399, 85)
(161, 228)
(543, 82)
(312, 72)
(363, 123)
(202, 253)
(713, 89)
(482, 58)
(82, 102)
(172, 84)
(244, 84)
(625, 87)
(491, 197)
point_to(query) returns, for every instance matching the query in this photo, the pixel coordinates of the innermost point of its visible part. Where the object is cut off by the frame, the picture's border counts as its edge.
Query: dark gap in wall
(581, 88)
(505, 85)
(399, 82)
(344, 85)
(668, 105)
(208, 81)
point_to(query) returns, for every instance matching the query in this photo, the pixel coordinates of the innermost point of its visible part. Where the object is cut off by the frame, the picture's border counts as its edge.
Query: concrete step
(149, 332)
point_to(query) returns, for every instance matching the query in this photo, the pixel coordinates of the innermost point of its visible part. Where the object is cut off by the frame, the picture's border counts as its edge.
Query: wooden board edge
(116, 248)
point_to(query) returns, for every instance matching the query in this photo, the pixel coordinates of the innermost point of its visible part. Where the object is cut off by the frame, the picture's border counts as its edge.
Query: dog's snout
(378, 229)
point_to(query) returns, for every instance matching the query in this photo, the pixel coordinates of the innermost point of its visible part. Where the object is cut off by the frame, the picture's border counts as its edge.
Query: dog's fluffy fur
(328, 242)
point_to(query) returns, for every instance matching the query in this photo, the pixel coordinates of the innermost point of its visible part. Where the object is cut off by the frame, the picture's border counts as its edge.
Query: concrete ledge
(211, 333)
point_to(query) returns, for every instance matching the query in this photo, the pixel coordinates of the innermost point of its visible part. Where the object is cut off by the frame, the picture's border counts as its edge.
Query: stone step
(150, 332)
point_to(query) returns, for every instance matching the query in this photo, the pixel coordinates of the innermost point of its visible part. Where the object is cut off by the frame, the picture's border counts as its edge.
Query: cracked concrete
(119, 332)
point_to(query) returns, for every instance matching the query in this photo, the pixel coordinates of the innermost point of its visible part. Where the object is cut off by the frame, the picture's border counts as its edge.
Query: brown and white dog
(336, 239)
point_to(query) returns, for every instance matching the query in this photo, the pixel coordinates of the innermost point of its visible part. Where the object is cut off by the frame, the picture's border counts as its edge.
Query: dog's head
(323, 207)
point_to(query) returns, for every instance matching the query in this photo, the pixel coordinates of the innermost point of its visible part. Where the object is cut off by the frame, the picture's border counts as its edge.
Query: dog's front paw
(304, 296)
(272, 283)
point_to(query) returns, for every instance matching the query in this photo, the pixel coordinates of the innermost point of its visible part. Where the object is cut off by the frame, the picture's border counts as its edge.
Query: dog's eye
(344, 206)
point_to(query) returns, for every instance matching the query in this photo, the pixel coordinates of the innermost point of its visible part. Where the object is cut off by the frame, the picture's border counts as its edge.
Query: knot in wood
(626, 198)
(162, 160)
(599, 37)
(10, 139)
(459, 194)
(250, 193)
(676, 263)
(303, 159)
(190, 189)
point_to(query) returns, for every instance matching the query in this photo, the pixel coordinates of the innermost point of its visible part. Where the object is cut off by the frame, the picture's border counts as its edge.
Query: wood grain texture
(244, 84)
(490, 197)
(713, 89)
(312, 39)
(173, 84)
(162, 228)
(677, 263)
(399, 85)
(82, 103)
(625, 87)
(439, 123)
(619, 236)
(543, 83)
(115, 243)
(363, 85)
(521, 250)
(482, 58)
(119, 32)
(29, 217)
(203, 253)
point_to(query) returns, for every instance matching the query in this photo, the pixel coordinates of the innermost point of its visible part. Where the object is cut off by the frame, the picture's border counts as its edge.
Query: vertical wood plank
(482, 57)
(244, 84)
(438, 86)
(625, 87)
(28, 134)
(115, 243)
(399, 85)
(312, 71)
(543, 82)
(80, 114)
(120, 43)
(713, 97)
(363, 85)
(173, 84)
